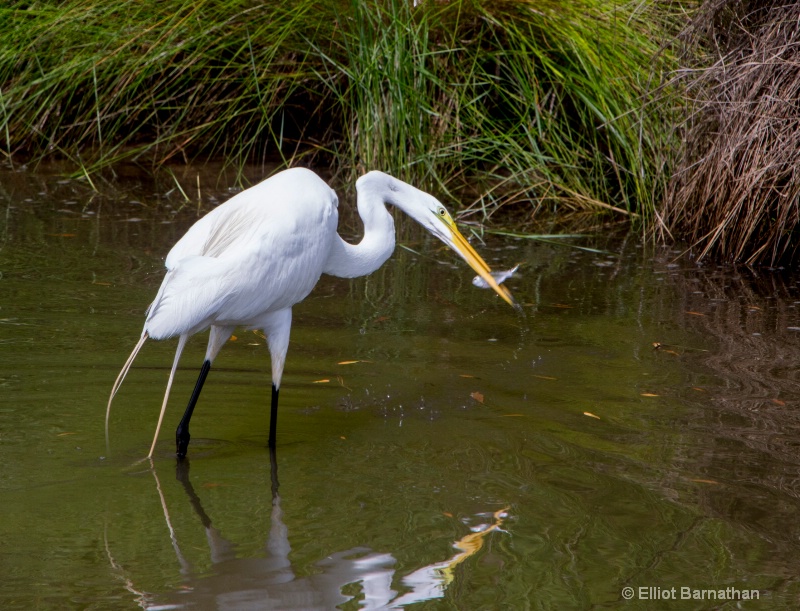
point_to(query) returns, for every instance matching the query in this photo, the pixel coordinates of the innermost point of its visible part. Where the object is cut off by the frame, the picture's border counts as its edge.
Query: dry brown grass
(735, 192)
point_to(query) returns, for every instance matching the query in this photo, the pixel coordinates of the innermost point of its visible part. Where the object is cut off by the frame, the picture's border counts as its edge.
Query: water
(469, 459)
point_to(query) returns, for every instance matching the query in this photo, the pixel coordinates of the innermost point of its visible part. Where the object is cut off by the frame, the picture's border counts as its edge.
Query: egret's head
(433, 216)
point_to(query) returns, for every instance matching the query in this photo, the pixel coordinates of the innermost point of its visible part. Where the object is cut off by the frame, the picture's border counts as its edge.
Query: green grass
(542, 106)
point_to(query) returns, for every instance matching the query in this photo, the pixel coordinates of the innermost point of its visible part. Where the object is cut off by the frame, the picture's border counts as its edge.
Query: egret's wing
(227, 233)
(202, 269)
(194, 240)
(190, 295)
(259, 252)
(289, 193)
(212, 234)
(259, 266)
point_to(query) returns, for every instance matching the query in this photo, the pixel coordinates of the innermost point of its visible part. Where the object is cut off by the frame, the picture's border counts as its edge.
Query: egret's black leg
(273, 472)
(273, 417)
(182, 433)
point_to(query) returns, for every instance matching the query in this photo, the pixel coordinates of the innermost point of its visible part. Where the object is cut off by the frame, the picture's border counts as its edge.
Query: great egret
(248, 261)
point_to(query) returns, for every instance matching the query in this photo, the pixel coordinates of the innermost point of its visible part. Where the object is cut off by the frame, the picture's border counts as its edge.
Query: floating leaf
(512, 415)
(649, 394)
(347, 362)
(544, 377)
(695, 313)
(591, 415)
(477, 396)
(233, 338)
(465, 375)
(320, 381)
(65, 434)
(778, 402)
(703, 481)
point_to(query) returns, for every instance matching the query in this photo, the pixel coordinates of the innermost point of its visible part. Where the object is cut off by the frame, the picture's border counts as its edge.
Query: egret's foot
(182, 438)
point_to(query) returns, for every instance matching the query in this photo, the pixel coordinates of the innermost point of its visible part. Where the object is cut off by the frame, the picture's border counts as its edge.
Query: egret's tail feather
(181, 344)
(121, 377)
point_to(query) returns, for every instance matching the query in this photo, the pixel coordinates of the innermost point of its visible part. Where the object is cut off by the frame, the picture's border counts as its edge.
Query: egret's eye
(442, 212)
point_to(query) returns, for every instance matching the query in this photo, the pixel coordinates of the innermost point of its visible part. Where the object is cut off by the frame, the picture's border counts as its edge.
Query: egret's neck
(352, 260)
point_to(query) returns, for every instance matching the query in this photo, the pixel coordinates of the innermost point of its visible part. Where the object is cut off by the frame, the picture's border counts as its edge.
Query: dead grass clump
(735, 192)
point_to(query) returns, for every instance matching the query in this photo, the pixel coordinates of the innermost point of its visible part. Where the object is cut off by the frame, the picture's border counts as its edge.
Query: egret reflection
(359, 575)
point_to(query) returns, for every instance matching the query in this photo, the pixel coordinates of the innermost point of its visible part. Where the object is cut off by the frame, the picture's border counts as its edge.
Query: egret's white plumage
(248, 261)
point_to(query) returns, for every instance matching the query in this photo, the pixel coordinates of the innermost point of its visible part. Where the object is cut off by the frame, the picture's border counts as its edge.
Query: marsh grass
(542, 106)
(735, 193)
(100, 81)
(381, 75)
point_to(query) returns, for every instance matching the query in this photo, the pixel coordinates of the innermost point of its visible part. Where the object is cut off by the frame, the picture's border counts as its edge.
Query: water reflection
(358, 575)
(745, 403)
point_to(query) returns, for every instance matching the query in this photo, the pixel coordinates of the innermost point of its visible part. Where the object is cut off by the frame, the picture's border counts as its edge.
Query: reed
(543, 105)
(735, 193)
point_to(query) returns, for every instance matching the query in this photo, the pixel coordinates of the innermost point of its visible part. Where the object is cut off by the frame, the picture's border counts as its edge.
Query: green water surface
(470, 457)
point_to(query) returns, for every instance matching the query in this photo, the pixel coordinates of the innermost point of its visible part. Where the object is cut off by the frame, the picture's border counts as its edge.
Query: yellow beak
(464, 248)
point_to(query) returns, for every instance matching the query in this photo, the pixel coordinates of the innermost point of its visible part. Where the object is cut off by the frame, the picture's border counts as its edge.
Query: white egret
(248, 261)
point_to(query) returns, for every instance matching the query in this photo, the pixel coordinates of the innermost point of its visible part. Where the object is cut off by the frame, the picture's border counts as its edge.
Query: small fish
(499, 277)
